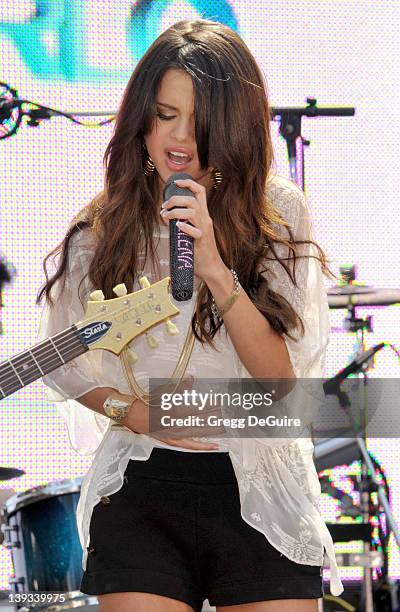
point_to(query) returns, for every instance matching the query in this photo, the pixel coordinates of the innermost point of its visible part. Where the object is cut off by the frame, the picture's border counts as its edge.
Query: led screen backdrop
(77, 56)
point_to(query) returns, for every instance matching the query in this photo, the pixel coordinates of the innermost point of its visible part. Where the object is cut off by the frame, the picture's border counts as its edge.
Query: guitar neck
(107, 324)
(39, 360)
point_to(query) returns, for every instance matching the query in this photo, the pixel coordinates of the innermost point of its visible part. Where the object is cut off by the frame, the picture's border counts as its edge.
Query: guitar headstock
(112, 324)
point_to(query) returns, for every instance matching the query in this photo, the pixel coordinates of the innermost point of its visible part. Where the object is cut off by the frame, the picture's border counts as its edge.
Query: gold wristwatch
(117, 406)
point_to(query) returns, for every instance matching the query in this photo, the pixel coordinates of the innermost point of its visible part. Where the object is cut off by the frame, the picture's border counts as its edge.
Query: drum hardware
(350, 295)
(40, 530)
(348, 532)
(7, 536)
(5, 494)
(7, 473)
(331, 452)
(7, 542)
(15, 582)
(371, 560)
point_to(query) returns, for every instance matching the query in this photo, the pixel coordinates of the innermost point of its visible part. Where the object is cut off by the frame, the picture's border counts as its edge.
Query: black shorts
(175, 529)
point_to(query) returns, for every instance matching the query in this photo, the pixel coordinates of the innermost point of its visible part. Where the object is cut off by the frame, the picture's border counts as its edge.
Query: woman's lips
(172, 165)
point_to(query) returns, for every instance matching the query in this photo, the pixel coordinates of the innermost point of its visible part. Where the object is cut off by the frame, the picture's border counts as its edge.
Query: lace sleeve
(85, 427)
(309, 298)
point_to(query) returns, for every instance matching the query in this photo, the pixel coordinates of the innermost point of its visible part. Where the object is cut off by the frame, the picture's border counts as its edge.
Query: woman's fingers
(179, 201)
(179, 424)
(178, 213)
(188, 229)
(189, 443)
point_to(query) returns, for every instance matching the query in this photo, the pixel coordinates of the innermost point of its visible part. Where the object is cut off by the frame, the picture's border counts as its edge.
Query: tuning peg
(151, 341)
(144, 282)
(120, 290)
(132, 356)
(171, 327)
(97, 296)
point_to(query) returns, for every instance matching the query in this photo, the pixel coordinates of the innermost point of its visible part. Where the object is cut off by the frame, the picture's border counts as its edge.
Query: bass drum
(41, 532)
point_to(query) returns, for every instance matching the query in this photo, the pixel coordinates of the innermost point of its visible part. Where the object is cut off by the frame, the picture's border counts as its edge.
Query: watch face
(115, 408)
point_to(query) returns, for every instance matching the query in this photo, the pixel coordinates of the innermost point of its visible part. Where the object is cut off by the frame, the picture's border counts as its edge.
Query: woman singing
(168, 522)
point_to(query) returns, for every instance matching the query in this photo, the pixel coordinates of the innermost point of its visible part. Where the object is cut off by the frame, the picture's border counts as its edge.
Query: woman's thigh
(140, 602)
(277, 605)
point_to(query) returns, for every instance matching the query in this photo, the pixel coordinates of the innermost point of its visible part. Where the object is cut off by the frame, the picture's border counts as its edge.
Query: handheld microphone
(331, 386)
(180, 245)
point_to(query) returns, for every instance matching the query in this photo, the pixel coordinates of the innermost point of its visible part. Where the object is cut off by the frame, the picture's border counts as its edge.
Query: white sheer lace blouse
(277, 480)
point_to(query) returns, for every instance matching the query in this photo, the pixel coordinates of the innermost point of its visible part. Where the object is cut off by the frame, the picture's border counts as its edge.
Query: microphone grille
(171, 189)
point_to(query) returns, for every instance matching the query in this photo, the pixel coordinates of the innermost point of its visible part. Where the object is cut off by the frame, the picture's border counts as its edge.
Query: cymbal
(6, 473)
(341, 296)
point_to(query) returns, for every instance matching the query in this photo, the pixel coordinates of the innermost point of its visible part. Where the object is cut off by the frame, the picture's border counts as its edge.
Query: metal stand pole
(290, 130)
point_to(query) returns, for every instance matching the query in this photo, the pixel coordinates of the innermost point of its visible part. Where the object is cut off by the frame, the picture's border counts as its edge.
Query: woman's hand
(138, 420)
(196, 222)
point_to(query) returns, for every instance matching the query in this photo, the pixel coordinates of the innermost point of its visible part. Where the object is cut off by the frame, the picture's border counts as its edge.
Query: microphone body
(180, 246)
(331, 386)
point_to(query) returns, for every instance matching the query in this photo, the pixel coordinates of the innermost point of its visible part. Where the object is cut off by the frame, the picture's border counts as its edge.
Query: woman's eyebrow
(168, 106)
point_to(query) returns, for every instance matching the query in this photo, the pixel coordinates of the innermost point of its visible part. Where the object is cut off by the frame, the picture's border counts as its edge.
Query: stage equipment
(7, 473)
(40, 530)
(7, 272)
(14, 109)
(290, 130)
(339, 451)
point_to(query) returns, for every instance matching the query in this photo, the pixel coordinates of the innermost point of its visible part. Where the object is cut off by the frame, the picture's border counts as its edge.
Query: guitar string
(65, 336)
(74, 349)
(69, 330)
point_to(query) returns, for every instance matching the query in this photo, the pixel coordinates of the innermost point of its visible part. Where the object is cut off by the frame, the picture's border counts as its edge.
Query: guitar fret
(6, 368)
(67, 342)
(37, 364)
(23, 366)
(57, 351)
(16, 373)
(25, 371)
(70, 354)
(11, 381)
(37, 361)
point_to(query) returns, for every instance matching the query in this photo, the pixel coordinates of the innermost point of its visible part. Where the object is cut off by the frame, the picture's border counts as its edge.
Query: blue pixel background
(78, 56)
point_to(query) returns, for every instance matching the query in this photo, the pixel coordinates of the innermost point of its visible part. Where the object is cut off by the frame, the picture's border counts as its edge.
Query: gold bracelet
(118, 405)
(219, 312)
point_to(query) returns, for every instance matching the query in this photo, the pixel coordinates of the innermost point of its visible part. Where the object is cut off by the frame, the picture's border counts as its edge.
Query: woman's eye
(165, 117)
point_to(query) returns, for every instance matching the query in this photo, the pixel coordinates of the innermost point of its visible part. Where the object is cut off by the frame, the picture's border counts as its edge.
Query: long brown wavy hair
(232, 131)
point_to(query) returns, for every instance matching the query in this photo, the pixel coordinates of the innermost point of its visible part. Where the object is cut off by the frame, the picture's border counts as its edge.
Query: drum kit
(371, 485)
(39, 528)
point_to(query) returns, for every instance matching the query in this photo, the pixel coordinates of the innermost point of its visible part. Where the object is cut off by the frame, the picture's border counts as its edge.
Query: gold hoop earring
(217, 178)
(148, 166)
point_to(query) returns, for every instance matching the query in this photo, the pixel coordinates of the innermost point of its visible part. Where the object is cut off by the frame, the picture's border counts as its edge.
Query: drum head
(53, 489)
